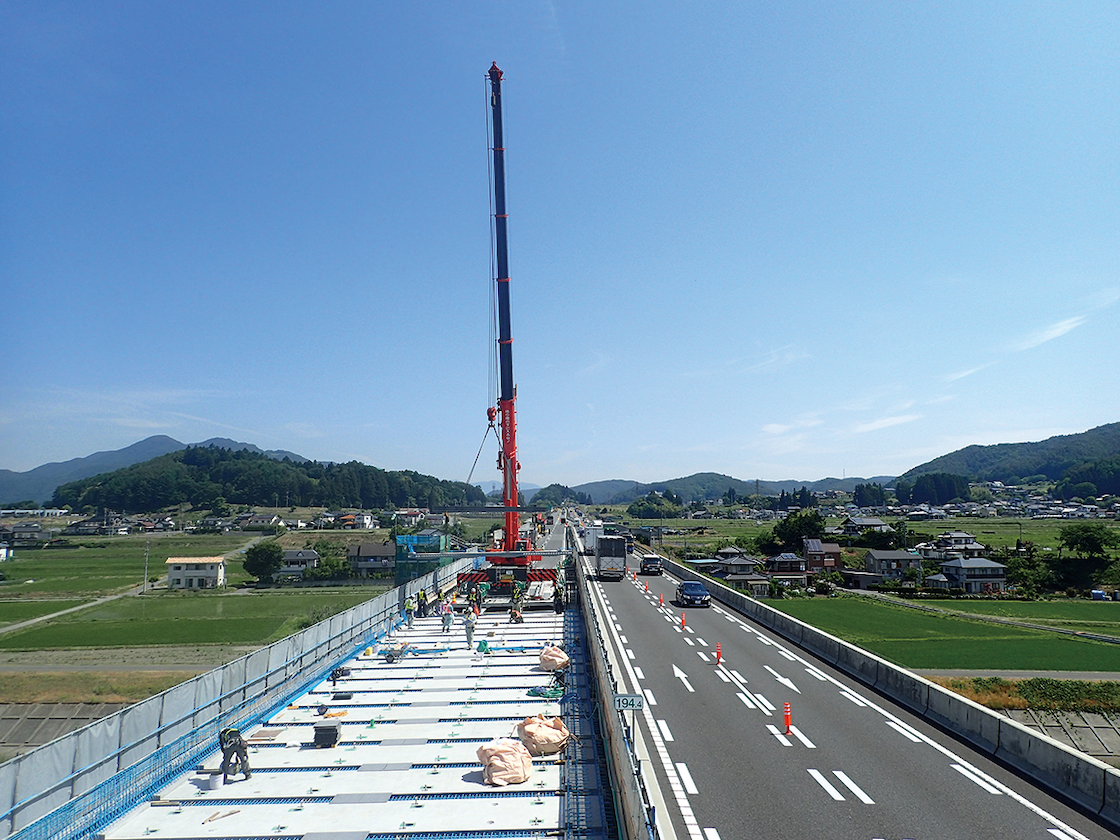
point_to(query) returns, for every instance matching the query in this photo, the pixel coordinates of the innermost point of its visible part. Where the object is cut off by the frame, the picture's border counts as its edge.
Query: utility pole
(147, 549)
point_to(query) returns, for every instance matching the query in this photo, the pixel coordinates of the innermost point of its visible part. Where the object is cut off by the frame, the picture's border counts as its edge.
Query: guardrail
(75, 785)
(638, 815)
(1090, 783)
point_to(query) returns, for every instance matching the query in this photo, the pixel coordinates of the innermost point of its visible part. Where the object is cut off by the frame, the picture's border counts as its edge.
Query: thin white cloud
(961, 374)
(1050, 333)
(886, 422)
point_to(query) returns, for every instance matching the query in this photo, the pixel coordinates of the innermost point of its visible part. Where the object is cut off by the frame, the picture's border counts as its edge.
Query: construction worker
(234, 750)
(448, 615)
(475, 600)
(469, 621)
(422, 599)
(409, 610)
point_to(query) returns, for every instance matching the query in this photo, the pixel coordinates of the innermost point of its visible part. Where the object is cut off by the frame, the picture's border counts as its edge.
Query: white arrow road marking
(683, 677)
(686, 779)
(853, 787)
(786, 681)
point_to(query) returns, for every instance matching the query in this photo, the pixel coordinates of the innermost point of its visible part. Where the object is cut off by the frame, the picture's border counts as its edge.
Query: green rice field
(929, 641)
(243, 618)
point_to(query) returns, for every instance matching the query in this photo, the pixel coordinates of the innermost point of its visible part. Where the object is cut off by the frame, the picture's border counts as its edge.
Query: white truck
(610, 557)
(591, 534)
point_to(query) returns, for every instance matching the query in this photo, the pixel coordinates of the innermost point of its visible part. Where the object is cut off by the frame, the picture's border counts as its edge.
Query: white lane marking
(855, 698)
(746, 701)
(976, 780)
(703, 655)
(1061, 835)
(853, 787)
(689, 629)
(665, 733)
(777, 733)
(629, 653)
(701, 641)
(623, 639)
(787, 655)
(762, 701)
(649, 697)
(617, 626)
(1066, 832)
(813, 672)
(826, 784)
(797, 734)
(639, 673)
(677, 628)
(711, 834)
(738, 676)
(904, 731)
(723, 676)
(686, 778)
(683, 677)
(678, 795)
(689, 642)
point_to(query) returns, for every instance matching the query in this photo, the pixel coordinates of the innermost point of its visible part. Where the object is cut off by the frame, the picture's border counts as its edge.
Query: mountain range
(39, 484)
(1050, 460)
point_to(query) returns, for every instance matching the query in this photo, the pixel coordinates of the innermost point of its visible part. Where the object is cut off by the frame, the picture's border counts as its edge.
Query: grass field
(12, 612)
(243, 618)
(920, 640)
(106, 565)
(1085, 616)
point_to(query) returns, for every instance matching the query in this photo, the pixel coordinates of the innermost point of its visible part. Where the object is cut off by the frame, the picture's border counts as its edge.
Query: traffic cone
(719, 653)
(682, 621)
(789, 718)
(661, 600)
(647, 586)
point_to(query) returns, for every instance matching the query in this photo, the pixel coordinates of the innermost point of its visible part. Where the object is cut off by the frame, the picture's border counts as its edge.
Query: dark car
(651, 564)
(692, 592)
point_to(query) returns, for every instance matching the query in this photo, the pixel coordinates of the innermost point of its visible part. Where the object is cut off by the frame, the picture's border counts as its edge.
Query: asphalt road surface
(852, 765)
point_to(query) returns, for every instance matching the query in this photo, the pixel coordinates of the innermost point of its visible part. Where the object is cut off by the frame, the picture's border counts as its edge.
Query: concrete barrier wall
(1064, 771)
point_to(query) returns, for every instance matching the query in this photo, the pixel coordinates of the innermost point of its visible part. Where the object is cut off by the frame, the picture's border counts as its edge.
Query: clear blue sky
(773, 240)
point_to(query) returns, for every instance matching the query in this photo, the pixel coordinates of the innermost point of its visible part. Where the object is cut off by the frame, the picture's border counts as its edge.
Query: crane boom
(507, 458)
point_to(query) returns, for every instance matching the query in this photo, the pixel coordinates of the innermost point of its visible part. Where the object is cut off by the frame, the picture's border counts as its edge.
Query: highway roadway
(852, 766)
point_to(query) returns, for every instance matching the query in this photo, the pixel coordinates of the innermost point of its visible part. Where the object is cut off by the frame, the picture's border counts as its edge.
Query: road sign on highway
(629, 702)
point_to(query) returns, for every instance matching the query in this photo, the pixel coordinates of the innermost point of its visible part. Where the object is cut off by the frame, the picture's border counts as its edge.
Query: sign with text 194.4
(629, 702)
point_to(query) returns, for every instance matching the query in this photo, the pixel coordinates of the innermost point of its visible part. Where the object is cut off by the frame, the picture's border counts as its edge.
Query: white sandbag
(543, 736)
(553, 659)
(505, 761)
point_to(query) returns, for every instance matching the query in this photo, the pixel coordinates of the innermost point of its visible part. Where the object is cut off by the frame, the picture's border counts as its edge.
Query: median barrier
(1080, 777)
(1063, 770)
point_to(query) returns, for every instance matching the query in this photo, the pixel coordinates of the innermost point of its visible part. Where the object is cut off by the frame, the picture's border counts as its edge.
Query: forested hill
(1053, 458)
(201, 475)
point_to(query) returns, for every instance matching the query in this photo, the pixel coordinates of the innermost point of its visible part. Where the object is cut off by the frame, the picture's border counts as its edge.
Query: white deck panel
(407, 768)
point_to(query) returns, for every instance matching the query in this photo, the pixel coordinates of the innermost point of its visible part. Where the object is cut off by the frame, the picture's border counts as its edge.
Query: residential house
(821, 556)
(196, 572)
(752, 583)
(787, 568)
(975, 575)
(371, 559)
(951, 545)
(890, 565)
(853, 526)
(296, 562)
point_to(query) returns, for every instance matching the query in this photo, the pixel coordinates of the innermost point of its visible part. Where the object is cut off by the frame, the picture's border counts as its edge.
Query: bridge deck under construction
(405, 763)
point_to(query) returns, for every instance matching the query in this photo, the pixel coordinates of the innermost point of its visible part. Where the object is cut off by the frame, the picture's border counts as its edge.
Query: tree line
(201, 476)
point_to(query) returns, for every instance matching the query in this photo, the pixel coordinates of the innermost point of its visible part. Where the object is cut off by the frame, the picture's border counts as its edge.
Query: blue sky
(770, 240)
